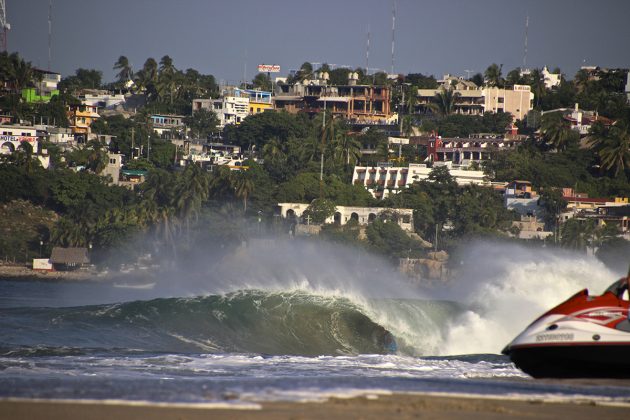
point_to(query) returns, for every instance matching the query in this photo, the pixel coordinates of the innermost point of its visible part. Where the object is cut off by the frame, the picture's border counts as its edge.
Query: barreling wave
(250, 321)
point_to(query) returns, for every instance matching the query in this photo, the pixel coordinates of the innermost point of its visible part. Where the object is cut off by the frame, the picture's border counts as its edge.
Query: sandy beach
(400, 406)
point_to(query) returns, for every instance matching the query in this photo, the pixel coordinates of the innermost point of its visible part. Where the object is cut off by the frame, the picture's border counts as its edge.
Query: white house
(343, 214)
(551, 79)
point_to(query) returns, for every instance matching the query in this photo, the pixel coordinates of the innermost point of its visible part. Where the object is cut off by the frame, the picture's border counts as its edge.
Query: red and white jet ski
(584, 337)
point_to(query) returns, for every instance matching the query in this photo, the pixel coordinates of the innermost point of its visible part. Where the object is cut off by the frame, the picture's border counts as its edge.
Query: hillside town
(143, 170)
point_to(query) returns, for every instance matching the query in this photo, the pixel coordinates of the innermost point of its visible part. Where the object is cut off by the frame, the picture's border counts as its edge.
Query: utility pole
(436, 238)
(133, 135)
(321, 168)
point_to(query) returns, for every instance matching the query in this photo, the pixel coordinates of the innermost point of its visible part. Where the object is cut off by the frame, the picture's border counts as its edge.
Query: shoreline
(21, 272)
(378, 406)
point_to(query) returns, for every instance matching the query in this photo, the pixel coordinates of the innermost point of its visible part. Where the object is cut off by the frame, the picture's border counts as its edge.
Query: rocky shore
(21, 272)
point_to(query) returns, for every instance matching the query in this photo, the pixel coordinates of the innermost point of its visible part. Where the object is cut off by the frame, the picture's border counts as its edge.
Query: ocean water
(291, 322)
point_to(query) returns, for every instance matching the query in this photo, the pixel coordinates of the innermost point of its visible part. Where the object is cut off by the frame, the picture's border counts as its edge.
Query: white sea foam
(506, 288)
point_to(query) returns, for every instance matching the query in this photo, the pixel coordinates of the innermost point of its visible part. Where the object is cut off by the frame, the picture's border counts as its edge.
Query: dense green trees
(202, 123)
(82, 79)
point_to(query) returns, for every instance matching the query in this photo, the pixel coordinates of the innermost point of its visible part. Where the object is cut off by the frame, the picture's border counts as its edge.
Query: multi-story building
(230, 109)
(46, 88)
(101, 98)
(81, 118)
(168, 124)
(236, 104)
(259, 100)
(518, 100)
(357, 103)
(385, 180)
(464, 151)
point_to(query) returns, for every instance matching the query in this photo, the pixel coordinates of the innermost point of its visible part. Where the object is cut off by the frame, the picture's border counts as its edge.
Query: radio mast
(49, 34)
(367, 52)
(4, 26)
(526, 33)
(393, 32)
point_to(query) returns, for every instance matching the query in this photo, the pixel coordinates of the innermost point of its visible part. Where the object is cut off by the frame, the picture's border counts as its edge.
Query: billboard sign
(269, 68)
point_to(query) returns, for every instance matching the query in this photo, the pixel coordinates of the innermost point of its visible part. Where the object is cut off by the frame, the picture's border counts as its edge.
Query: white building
(169, 124)
(382, 181)
(102, 99)
(229, 109)
(343, 214)
(551, 79)
(113, 167)
(12, 136)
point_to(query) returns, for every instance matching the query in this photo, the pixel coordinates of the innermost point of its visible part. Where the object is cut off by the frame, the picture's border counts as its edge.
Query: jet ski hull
(573, 361)
(583, 337)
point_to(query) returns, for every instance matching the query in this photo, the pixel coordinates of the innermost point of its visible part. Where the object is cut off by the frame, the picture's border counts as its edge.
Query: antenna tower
(367, 52)
(393, 32)
(4, 26)
(526, 32)
(49, 34)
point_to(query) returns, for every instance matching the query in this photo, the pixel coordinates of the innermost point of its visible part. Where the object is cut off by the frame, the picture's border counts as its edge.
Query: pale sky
(230, 38)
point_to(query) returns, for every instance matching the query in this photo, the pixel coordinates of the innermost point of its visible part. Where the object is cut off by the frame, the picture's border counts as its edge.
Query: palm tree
(557, 131)
(97, 157)
(21, 73)
(191, 192)
(347, 149)
(167, 79)
(67, 233)
(146, 79)
(305, 72)
(444, 102)
(126, 73)
(492, 75)
(537, 83)
(612, 144)
(243, 186)
(273, 151)
(577, 234)
(581, 80)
